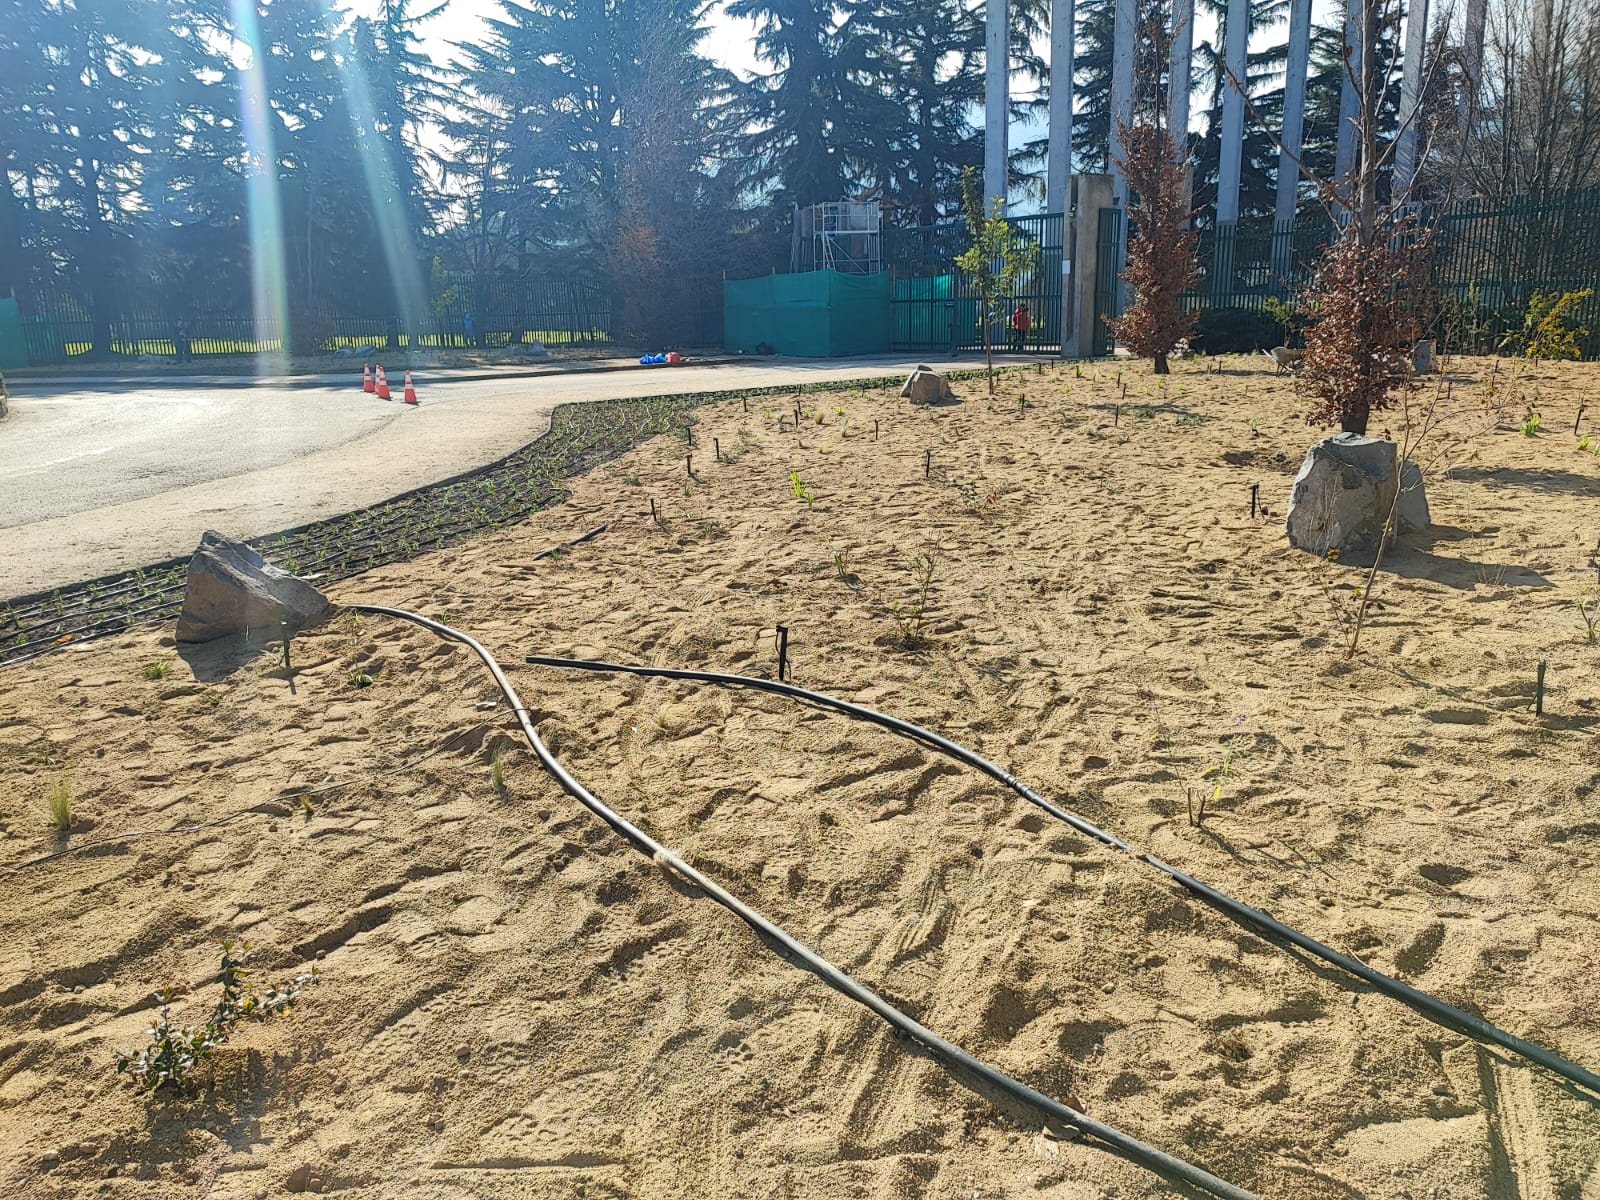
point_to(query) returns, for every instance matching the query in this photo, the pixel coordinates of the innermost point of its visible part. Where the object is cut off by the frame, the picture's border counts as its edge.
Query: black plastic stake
(874, 429)
(653, 516)
(1255, 490)
(288, 636)
(1538, 691)
(783, 651)
(1577, 420)
(1124, 393)
(717, 447)
(688, 464)
(747, 404)
(927, 464)
(1116, 414)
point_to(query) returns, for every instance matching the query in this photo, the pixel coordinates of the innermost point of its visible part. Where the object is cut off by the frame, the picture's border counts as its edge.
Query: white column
(1294, 110)
(1058, 163)
(1126, 15)
(1231, 151)
(996, 99)
(1180, 74)
(1349, 103)
(1472, 62)
(1405, 152)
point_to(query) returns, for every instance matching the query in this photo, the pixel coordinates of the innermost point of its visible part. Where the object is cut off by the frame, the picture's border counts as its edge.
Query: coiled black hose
(1431, 1007)
(1157, 1161)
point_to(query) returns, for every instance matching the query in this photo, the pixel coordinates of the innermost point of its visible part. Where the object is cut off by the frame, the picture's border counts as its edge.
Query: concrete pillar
(1416, 46)
(1087, 195)
(1291, 137)
(996, 99)
(1180, 74)
(1231, 150)
(1349, 103)
(1058, 163)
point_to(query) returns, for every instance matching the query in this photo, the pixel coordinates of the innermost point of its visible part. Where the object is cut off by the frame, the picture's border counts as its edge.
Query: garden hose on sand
(1173, 1169)
(1269, 927)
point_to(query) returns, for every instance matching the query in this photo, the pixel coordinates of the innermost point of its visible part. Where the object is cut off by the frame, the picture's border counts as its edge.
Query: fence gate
(1107, 295)
(941, 312)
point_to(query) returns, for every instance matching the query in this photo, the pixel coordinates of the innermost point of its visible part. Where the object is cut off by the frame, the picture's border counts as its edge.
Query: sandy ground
(100, 479)
(514, 1004)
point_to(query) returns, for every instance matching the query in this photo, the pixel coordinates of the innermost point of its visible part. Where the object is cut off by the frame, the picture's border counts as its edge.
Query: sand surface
(515, 1004)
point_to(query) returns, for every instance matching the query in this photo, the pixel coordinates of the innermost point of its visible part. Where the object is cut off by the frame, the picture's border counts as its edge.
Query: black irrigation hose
(1173, 1169)
(1431, 1007)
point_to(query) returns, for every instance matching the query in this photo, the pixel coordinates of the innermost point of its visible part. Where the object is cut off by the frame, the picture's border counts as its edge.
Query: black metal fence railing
(59, 324)
(934, 307)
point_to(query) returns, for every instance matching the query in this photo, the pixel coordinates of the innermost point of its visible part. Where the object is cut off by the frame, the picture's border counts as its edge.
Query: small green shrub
(1530, 424)
(800, 490)
(154, 670)
(1234, 331)
(1547, 331)
(175, 1050)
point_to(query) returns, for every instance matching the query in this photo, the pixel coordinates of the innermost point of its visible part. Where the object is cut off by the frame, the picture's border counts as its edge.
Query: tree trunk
(988, 353)
(1161, 367)
(1354, 420)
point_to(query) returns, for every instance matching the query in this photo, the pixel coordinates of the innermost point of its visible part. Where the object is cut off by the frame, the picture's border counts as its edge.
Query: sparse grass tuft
(154, 670)
(58, 804)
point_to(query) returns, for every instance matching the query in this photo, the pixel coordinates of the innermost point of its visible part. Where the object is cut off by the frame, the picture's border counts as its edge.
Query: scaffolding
(843, 236)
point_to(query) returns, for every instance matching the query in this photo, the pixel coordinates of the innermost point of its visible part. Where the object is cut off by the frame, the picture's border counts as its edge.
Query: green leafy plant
(1547, 331)
(497, 771)
(358, 679)
(154, 670)
(175, 1050)
(1530, 424)
(1219, 775)
(998, 255)
(801, 491)
(58, 803)
(911, 616)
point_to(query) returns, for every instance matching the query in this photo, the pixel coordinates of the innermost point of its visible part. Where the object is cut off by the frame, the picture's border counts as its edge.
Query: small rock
(315, 1184)
(299, 1179)
(463, 1052)
(1094, 762)
(49, 1159)
(926, 386)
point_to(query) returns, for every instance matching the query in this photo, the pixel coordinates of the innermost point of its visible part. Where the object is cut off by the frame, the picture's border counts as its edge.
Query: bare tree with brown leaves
(1161, 254)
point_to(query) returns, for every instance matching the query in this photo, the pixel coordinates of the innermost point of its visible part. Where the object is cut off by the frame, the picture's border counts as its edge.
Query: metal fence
(1488, 263)
(59, 324)
(936, 307)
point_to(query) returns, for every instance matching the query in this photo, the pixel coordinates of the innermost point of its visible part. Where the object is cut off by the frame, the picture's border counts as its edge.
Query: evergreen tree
(925, 66)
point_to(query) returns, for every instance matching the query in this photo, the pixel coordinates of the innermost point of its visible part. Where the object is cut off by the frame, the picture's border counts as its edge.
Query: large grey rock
(926, 386)
(1342, 494)
(231, 590)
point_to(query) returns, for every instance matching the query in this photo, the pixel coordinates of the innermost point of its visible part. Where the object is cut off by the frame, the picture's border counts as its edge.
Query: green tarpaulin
(13, 349)
(815, 314)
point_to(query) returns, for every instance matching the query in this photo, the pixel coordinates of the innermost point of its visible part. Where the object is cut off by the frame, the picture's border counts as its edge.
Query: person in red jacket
(1021, 322)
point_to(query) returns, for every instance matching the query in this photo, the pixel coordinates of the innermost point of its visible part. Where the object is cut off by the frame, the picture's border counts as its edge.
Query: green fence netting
(813, 314)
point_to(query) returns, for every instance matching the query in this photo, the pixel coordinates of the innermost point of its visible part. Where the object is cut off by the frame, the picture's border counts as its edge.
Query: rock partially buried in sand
(232, 590)
(1342, 494)
(926, 386)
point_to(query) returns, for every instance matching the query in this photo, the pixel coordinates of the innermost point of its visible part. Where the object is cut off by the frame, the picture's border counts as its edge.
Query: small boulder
(1342, 494)
(231, 590)
(926, 386)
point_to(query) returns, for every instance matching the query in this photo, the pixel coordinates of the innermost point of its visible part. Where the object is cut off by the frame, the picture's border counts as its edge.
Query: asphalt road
(97, 478)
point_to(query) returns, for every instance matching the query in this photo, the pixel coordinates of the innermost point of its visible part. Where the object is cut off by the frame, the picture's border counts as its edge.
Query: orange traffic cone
(366, 378)
(383, 384)
(410, 396)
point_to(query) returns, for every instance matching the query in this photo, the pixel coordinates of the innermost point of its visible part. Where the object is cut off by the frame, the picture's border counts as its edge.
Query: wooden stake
(716, 447)
(1255, 489)
(927, 463)
(1538, 690)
